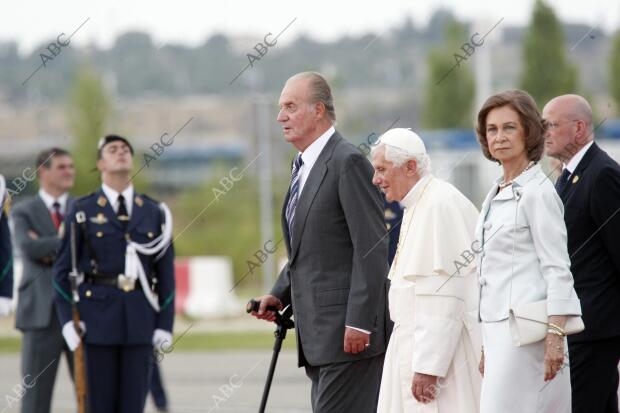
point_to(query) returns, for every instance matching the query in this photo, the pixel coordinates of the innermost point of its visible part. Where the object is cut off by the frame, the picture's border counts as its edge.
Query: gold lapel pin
(138, 201)
(102, 201)
(575, 179)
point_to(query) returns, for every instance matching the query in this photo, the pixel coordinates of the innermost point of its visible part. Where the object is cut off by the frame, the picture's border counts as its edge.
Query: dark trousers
(157, 386)
(42, 350)
(346, 387)
(594, 375)
(118, 377)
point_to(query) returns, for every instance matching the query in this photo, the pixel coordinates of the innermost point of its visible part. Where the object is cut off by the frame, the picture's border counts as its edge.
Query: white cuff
(359, 329)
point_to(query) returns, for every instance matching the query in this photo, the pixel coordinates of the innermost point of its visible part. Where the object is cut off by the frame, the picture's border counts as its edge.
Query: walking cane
(283, 322)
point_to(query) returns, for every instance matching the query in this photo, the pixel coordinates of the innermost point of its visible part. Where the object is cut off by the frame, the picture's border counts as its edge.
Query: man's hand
(424, 387)
(265, 301)
(355, 341)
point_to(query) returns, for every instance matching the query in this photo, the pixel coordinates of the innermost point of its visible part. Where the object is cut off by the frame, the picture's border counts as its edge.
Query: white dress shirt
(574, 161)
(112, 196)
(311, 154)
(49, 200)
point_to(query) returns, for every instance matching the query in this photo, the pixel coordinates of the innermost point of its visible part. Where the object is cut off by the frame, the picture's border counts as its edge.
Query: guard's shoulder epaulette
(149, 199)
(82, 199)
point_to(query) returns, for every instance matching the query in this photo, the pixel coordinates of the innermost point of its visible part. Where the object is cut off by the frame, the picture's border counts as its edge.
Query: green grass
(199, 342)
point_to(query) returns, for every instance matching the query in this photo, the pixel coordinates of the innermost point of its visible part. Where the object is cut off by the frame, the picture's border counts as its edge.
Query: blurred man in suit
(37, 222)
(336, 241)
(590, 189)
(6, 253)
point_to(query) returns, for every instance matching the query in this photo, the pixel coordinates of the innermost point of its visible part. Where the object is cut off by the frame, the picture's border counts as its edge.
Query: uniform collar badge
(575, 179)
(102, 201)
(138, 200)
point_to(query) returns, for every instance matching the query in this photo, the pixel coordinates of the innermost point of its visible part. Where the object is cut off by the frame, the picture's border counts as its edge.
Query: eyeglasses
(554, 125)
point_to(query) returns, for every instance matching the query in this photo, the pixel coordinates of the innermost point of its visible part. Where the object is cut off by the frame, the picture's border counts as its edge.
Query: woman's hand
(554, 349)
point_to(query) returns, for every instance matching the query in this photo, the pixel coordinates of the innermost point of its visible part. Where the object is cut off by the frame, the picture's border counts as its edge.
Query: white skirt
(514, 376)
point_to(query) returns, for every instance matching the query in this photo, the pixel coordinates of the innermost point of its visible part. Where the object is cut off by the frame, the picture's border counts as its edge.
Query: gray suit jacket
(337, 266)
(35, 291)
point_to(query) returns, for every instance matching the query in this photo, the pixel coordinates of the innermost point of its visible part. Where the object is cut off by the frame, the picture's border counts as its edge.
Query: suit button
(488, 225)
(150, 234)
(88, 293)
(482, 281)
(99, 234)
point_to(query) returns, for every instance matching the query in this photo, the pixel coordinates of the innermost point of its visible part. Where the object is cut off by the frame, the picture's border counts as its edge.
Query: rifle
(79, 362)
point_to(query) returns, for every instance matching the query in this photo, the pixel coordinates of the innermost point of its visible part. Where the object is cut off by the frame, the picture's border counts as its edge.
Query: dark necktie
(121, 213)
(562, 180)
(56, 215)
(294, 195)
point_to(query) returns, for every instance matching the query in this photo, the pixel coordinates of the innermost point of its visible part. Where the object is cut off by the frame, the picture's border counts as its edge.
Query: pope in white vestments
(431, 364)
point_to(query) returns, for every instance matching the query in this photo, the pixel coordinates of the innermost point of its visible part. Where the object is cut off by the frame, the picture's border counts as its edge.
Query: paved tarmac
(196, 382)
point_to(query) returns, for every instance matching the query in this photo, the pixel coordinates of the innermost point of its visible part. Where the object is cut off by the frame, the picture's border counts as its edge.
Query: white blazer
(522, 252)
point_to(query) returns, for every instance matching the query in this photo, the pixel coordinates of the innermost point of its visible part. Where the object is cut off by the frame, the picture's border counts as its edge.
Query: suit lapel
(573, 181)
(285, 224)
(44, 216)
(311, 187)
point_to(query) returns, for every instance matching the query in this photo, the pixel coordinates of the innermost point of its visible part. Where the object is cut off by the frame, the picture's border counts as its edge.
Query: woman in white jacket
(523, 258)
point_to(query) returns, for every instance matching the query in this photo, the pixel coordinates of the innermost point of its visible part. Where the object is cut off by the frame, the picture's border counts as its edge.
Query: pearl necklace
(505, 183)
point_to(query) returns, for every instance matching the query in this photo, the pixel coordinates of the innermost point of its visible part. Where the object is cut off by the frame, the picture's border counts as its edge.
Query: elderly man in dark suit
(37, 223)
(590, 189)
(336, 241)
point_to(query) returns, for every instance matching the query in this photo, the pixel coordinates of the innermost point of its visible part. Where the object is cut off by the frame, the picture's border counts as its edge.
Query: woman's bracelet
(558, 329)
(559, 333)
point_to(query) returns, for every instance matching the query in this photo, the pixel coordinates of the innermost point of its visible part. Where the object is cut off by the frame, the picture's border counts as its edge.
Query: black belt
(110, 280)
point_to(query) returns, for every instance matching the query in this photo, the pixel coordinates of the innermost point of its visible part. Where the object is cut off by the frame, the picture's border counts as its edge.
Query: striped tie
(294, 195)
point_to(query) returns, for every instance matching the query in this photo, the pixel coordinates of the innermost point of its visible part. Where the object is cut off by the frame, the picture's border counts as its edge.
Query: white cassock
(433, 299)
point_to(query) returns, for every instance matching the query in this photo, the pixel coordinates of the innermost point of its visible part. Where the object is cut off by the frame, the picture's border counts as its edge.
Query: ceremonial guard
(6, 253)
(115, 268)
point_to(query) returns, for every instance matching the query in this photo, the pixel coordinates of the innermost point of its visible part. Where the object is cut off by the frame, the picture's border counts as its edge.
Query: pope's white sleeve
(439, 313)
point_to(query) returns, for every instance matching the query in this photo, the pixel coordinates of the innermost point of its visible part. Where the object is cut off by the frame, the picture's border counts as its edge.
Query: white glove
(6, 305)
(71, 336)
(162, 341)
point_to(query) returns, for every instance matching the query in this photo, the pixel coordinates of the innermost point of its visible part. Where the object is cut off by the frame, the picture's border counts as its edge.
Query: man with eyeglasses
(590, 189)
